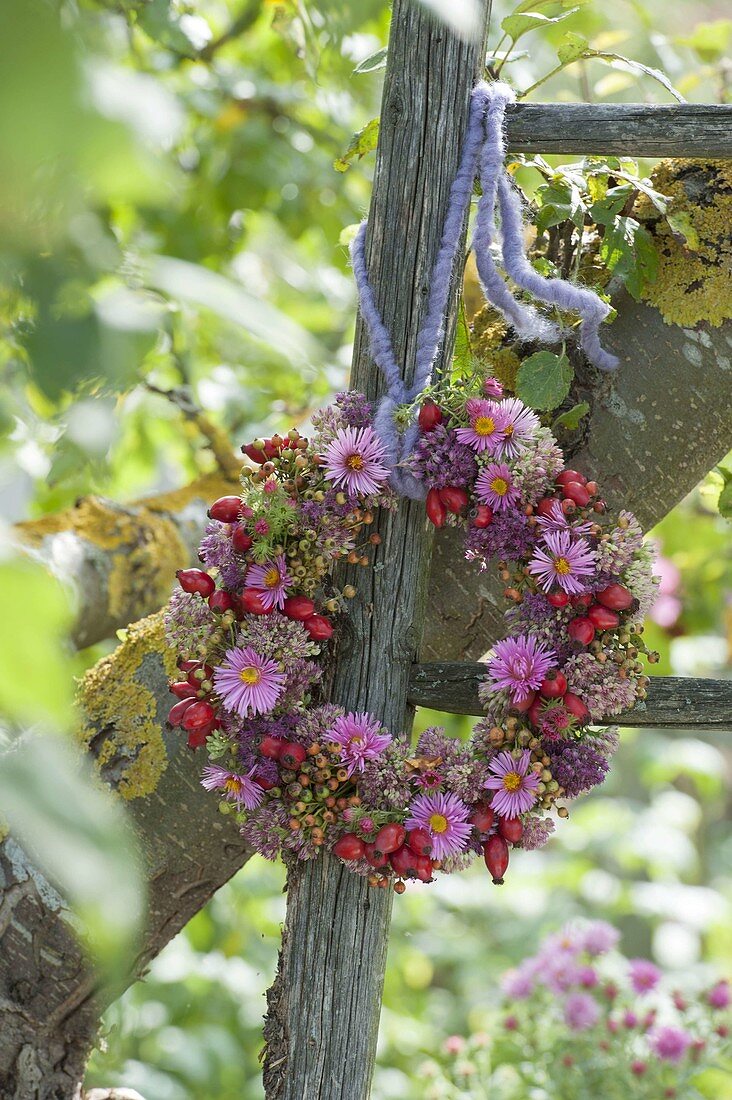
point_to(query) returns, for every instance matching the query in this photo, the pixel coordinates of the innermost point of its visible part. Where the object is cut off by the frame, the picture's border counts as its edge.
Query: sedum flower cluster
(252, 626)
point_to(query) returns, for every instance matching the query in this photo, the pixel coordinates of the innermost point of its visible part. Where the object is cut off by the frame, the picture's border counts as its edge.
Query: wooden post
(324, 1006)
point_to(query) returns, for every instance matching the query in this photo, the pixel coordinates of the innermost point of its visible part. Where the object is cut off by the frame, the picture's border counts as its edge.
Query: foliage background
(170, 217)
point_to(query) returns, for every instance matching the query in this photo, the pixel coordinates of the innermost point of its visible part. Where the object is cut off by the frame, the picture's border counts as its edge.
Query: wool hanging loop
(499, 228)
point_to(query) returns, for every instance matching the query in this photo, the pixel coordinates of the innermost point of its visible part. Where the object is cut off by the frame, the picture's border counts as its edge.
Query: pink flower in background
(644, 975)
(355, 460)
(670, 1043)
(565, 561)
(720, 996)
(599, 937)
(248, 683)
(519, 665)
(240, 789)
(445, 816)
(271, 580)
(581, 1011)
(494, 486)
(360, 737)
(514, 784)
(668, 606)
(520, 983)
(486, 426)
(520, 425)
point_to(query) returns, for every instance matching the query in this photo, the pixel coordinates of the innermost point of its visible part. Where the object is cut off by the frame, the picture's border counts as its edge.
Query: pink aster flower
(599, 937)
(520, 983)
(271, 580)
(486, 425)
(360, 737)
(719, 996)
(644, 975)
(514, 784)
(240, 789)
(493, 388)
(445, 816)
(519, 665)
(557, 521)
(519, 426)
(565, 562)
(355, 459)
(248, 683)
(581, 1011)
(670, 1043)
(495, 486)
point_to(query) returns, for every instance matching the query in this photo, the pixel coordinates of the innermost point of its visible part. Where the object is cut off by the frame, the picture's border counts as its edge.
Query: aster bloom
(248, 683)
(520, 983)
(495, 486)
(355, 460)
(644, 975)
(581, 1011)
(720, 996)
(486, 425)
(493, 388)
(271, 580)
(599, 937)
(670, 1043)
(565, 562)
(361, 738)
(445, 816)
(514, 784)
(557, 521)
(240, 789)
(519, 665)
(519, 426)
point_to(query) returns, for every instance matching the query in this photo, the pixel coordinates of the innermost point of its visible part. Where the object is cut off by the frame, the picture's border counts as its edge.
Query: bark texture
(49, 1002)
(656, 427)
(674, 702)
(324, 1006)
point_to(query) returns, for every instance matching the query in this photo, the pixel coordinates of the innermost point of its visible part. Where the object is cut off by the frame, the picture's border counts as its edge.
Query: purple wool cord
(483, 153)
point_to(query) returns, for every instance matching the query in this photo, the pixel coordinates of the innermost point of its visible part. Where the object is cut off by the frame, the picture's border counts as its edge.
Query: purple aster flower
(670, 1043)
(519, 665)
(514, 784)
(355, 460)
(599, 937)
(557, 521)
(248, 683)
(581, 1011)
(492, 387)
(520, 983)
(240, 789)
(495, 486)
(486, 425)
(361, 738)
(644, 975)
(564, 562)
(271, 580)
(719, 996)
(519, 426)
(445, 816)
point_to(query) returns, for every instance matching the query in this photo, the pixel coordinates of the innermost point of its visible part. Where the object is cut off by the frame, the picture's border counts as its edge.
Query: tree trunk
(324, 1006)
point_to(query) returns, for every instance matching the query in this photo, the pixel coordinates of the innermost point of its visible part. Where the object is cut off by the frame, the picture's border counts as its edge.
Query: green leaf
(710, 41)
(373, 62)
(543, 380)
(572, 47)
(522, 23)
(362, 142)
(570, 420)
(683, 227)
(163, 24)
(617, 61)
(37, 679)
(462, 359)
(645, 270)
(724, 503)
(77, 833)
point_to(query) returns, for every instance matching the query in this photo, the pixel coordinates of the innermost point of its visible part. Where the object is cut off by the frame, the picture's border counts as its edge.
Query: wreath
(253, 627)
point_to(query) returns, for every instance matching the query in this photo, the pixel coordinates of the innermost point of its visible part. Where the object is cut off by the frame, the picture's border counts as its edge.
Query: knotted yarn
(483, 154)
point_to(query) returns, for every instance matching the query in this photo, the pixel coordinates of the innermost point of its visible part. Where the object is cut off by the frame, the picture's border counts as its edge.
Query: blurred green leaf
(572, 47)
(76, 832)
(710, 41)
(373, 62)
(724, 501)
(36, 684)
(543, 380)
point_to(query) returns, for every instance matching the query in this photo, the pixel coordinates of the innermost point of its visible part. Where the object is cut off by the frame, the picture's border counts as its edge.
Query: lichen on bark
(119, 711)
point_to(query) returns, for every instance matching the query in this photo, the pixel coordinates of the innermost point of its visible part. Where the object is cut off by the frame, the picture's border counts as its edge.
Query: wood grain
(674, 702)
(621, 129)
(324, 1006)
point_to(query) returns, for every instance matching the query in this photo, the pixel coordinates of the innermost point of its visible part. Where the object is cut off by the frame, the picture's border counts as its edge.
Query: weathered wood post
(324, 1006)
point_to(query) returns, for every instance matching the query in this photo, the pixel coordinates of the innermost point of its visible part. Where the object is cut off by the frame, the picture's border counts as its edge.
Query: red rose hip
(196, 581)
(390, 837)
(349, 846)
(495, 853)
(225, 509)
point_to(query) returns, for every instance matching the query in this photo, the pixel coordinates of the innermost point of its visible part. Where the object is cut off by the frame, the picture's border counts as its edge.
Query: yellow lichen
(694, 241)
(141, 574)
(489, 342)
(120, 712)
(206, 488)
